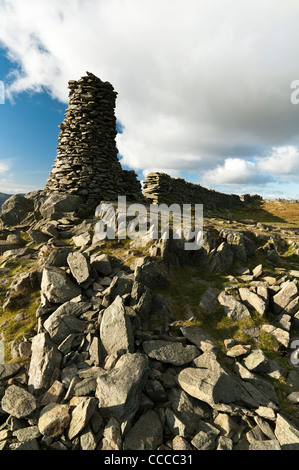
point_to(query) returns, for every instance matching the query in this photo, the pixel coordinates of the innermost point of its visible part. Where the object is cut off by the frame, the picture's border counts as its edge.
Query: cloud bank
(204, 86)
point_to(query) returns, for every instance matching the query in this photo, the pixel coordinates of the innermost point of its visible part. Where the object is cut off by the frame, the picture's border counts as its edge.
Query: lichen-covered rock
(118, 392)
(54, 419)
(57, 287)
(18, 402)
(15, 209)
(170, 352)
(116, 332)
(146, 434)
(45, 359)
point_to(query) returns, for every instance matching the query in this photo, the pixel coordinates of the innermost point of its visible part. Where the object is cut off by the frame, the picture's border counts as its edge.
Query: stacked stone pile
(86, 163)
(162, 188)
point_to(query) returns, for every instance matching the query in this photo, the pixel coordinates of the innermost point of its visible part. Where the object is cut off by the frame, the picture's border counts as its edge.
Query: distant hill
(3, 197)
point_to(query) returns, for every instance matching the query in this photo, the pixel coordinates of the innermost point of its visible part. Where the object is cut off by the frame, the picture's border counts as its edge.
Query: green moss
(14, 330)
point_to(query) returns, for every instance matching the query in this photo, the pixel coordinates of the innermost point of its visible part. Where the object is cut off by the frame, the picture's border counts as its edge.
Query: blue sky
(28, 136)
(203, 87)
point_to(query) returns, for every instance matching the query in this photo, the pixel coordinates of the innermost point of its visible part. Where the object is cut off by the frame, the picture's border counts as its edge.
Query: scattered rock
(286, 294)
(118, 392)
(286, 433)
(53, 420)
(105, 366)
(234, 309)
(57, 287)
(170, 352)
(257, 361)
(81, 416)
(201, 338)
(18, 402)
(79, 267)
(116, 331)
(146, 434)
(253, 300)
(45, 359)
(209, 300)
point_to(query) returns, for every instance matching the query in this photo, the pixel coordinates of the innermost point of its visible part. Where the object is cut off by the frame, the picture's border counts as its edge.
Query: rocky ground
(138, 345)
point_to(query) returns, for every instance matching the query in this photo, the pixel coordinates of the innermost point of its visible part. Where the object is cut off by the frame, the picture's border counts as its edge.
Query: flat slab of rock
(146, 434)
(238, 350)
(251, 299)
(234, 309)
(200, 337)
(81, 416)
(116, 331)
(45, 358)
(212, 384)
(170, 352)
(288, 292)
(64, 321)
(57, 287)
(79, 267)
(257, 361)
(287, 433)
(54, 419)
(271, 444)
(118, 391)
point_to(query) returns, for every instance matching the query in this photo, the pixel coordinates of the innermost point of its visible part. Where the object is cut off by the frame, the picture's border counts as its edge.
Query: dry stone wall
(87, 163)
(162, 188)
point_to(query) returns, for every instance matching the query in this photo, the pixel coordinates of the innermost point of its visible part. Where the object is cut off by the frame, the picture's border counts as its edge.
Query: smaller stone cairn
(162, 188)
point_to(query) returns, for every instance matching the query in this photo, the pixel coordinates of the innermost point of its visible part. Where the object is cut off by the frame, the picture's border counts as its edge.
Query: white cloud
(235, 171)
(197, 82)
(283, 161)
(11, 187)
(4, 166)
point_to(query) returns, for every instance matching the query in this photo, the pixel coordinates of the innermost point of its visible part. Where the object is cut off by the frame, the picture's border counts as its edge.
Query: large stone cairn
(87, 163)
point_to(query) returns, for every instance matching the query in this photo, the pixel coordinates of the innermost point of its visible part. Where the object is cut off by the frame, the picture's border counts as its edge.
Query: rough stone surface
(118, 392)
(57, 287)
(286, 294)
(257, 361)
(15, 209)
(45, 358)
(253, 300)
(81, 416)
(116, 331)
(18, 402)
(200, 337)
(63, 321)
(146, 434)
(54, 419)
(287, 433)
(234, 309)
(79, 267)
(170, 352)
